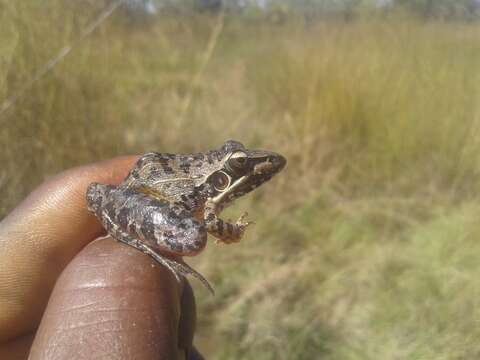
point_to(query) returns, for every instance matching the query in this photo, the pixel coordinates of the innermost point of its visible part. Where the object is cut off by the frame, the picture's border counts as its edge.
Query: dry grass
(366, 246)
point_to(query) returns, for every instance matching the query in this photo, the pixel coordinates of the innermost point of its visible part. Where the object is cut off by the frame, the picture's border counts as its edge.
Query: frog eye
(238, 161)
(220, 180)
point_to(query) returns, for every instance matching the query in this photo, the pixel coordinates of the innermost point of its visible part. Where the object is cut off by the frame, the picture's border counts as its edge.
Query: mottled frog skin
(169, 202)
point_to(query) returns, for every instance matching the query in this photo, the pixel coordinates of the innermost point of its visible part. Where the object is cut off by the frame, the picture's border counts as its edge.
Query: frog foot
(232, 232)
(240, 226)
(242, 223)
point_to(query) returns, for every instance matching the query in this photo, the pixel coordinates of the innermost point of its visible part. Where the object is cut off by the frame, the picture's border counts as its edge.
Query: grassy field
(366, 247)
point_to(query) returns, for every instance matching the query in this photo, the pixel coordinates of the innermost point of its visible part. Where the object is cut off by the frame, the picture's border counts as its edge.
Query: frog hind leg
(99, 201)
(176, 267)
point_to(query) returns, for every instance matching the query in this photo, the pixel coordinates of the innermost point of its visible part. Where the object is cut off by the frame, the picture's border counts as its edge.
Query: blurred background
(367, 245)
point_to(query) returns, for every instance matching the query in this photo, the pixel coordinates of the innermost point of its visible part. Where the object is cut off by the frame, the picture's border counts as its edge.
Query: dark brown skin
(77, 299)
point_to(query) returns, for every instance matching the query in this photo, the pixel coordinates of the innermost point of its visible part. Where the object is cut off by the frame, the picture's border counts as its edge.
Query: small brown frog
(169, 202)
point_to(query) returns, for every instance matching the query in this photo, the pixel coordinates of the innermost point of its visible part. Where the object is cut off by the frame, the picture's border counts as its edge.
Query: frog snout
(279, 162)
(272, 165)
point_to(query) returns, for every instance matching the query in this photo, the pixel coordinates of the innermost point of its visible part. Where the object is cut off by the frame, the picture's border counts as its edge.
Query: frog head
(238, 170)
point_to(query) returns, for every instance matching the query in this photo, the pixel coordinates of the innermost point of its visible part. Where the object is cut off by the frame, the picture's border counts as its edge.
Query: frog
(169, 203)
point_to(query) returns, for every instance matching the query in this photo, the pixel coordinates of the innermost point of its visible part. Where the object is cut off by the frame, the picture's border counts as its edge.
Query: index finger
(41, 236)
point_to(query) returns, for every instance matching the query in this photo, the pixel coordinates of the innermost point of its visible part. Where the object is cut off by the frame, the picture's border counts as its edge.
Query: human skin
(65, 296)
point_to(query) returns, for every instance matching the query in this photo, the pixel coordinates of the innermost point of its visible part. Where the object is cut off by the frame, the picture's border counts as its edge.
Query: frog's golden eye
(220, 180)
(238, 161)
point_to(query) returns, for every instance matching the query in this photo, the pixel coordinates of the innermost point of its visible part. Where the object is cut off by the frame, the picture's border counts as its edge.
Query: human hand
(105, 299)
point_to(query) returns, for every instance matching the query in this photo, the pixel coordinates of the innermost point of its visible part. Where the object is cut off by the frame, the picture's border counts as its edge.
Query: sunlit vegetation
(366, 247)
